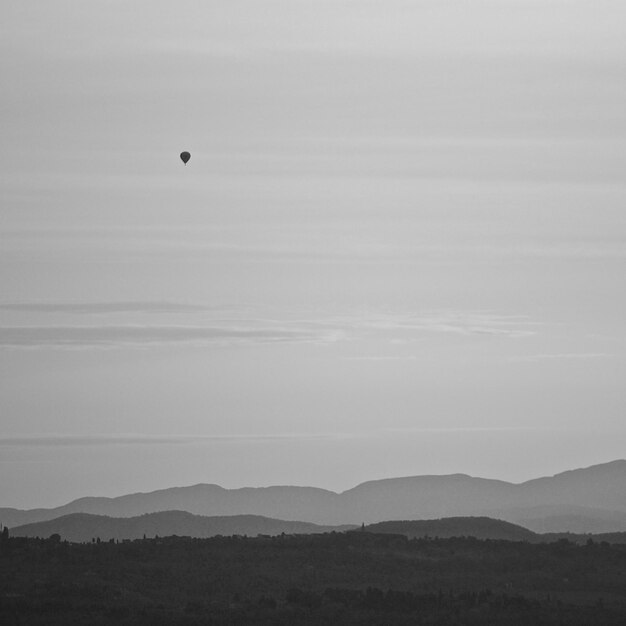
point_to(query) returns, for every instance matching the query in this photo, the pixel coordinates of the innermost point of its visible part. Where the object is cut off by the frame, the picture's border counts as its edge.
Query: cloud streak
(448, 322)
(144, 336)
(326, 243)
(55, 441)
(374, 358)
(104, 308)
(321, 329)
(79, 440)
(565, 356)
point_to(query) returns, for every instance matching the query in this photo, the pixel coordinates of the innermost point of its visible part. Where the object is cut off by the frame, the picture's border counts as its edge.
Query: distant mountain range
(80, 527)
(585, 500)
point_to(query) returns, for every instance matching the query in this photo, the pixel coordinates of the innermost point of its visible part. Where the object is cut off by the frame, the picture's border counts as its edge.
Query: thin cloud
(104, 308)
(315, 245)
(143, 336)
(375, 358)
(78, 440)
(221, 330)
(467, 323)
(467, 429)
(576, 356)
(53, 441)
(454, 322)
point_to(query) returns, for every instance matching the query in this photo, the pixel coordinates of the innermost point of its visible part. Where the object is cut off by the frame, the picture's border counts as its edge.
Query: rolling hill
(81, 527)
(479, 527)
(84, 527)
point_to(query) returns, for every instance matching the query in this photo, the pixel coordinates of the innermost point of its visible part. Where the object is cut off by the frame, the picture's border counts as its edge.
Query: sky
(399, 247)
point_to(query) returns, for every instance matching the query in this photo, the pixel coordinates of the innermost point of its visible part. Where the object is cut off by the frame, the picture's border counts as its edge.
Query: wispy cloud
(410, 357)
(247, 327)
(132, 439)
(81, 440)
(323, 243)
(138, 336)
(465, 429)
(454, 322)
(104, 308)
(53, 441)
(575, 356)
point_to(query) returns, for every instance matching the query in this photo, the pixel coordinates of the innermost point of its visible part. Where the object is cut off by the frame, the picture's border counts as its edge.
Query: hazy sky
(399, 246)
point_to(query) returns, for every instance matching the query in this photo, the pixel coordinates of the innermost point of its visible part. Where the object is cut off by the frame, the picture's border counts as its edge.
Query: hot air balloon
(184, 157)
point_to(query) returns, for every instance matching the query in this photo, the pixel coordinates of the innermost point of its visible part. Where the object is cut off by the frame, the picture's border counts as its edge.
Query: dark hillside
(479, 527)
(354, 578)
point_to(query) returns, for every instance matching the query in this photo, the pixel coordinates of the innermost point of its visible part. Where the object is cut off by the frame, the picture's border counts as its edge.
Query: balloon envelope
(184, 157)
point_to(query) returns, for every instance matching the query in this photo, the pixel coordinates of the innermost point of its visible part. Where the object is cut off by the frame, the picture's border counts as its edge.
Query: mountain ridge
(582, 500)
